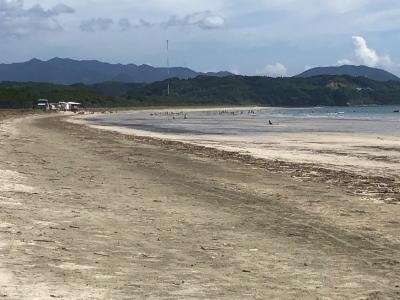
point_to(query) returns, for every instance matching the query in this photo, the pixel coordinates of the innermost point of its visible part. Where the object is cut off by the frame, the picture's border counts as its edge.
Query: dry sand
(91, 214)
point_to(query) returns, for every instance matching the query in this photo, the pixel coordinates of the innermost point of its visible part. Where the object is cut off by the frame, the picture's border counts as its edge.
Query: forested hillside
(208, 90)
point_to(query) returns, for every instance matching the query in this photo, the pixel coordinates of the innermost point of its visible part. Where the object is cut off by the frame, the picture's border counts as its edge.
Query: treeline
(25, 95)
(207, 90)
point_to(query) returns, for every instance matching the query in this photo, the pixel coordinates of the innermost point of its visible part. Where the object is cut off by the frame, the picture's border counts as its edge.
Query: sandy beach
(88, 213)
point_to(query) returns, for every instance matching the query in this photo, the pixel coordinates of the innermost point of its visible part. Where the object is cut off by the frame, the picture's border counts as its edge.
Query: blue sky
(267, 37)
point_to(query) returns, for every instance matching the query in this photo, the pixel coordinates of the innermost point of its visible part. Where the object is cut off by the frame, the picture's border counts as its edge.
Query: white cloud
(212, 21)
(204, 20)
(368, 56)
(18, 21)
(274, 70)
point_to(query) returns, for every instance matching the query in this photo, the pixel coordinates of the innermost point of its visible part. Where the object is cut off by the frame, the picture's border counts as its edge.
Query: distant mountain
(354, 71)
(69, 71)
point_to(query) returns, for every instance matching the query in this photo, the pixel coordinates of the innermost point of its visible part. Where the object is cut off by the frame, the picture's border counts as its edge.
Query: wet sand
(91, 214)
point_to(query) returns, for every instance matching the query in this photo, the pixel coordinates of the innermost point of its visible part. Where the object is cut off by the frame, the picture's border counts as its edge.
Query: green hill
(349, 70)
(208, 90)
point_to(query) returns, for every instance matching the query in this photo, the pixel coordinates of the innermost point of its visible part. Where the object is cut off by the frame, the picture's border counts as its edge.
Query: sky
(249, 37)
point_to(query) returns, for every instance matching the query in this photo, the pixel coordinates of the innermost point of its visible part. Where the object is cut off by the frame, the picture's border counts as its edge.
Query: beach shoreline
(374, 182)
(178, 109)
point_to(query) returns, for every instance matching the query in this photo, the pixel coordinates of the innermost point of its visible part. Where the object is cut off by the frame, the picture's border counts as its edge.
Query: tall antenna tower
(168, 68)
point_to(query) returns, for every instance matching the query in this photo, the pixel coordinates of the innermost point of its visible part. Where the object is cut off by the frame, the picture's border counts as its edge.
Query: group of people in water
(184, 115)
(242, 112)
(171, 113)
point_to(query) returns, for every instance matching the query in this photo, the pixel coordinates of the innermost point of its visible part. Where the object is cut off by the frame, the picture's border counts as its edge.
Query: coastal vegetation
(209, 90)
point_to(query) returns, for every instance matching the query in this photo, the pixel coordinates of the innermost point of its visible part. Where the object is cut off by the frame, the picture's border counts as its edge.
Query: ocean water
(356, 113)
(372, 119)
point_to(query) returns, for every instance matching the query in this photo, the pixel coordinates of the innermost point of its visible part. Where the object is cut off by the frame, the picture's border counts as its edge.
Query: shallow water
(373, 119)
